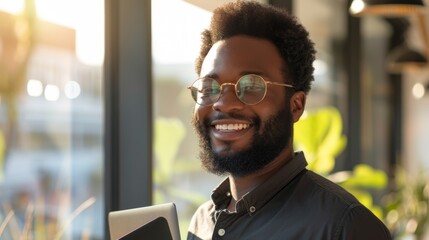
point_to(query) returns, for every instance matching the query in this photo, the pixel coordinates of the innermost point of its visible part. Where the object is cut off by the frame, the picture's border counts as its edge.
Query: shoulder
(325, 187)
(202, 221)
(204, 211)
(360, 223)
(354, 220)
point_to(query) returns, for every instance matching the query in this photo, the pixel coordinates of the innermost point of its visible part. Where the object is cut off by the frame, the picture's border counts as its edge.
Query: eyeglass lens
(249, 89)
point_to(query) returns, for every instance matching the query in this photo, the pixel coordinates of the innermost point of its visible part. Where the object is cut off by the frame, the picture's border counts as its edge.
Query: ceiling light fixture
(386, 7)
(403, 58)
(420, 90)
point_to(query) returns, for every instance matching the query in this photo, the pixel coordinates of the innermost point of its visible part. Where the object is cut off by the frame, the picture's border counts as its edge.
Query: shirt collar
(254, 200)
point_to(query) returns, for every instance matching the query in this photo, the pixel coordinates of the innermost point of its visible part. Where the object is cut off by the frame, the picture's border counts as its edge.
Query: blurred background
(95, 114)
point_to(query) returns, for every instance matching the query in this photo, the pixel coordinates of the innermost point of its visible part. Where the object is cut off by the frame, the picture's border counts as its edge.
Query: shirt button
(221, 232)
(252, 209)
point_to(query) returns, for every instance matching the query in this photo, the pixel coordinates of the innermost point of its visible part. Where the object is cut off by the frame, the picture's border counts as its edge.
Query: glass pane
(178, 176)
(376, 93)
(51, 152)
(326, 24)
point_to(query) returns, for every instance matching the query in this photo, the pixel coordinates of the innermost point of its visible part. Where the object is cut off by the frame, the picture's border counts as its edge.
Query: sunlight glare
(62, 12)
(167, 47)
(12, 6)
(86, 17)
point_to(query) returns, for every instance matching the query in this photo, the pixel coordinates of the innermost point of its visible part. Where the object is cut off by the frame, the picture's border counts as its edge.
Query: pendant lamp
(403, 58)
(388, 8)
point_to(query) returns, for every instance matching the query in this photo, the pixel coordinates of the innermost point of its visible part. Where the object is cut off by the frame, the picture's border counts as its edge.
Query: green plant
(407, 205)
(169, 168)
(37, 224)
(169, 134)
(319, 135)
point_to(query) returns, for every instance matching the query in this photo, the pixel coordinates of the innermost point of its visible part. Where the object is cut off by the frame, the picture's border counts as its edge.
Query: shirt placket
(224, 220)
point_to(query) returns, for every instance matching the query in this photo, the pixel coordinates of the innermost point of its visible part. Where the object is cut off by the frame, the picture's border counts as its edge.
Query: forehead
(243, 54)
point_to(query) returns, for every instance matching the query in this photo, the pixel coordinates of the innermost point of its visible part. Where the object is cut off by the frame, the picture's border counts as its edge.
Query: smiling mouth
(232, 126)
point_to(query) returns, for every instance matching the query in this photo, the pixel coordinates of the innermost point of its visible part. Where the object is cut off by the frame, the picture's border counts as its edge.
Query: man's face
(237, 138)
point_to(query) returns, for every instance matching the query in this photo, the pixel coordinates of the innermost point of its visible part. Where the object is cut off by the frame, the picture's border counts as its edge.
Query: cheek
(271, 109)
(273, 104)
(200, 113)
(195, 114)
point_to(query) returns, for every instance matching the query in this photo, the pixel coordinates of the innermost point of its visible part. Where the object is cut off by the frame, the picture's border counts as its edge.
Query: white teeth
(231, 126)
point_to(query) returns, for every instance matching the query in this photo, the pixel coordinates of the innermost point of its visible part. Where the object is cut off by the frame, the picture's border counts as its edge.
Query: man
(255, 69)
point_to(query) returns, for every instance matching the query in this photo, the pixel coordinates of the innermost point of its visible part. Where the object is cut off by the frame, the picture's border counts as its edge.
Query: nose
(228, 100)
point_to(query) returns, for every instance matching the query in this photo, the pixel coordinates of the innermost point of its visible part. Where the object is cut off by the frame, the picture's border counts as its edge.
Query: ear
(297, 105)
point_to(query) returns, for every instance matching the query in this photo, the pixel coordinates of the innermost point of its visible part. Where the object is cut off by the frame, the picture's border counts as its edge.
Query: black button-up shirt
(294, 203)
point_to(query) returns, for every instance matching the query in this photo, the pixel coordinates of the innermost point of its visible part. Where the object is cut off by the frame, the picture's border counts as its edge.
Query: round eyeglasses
(249, 89)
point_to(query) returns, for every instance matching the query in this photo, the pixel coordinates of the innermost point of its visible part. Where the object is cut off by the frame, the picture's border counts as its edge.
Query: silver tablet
(124, 222)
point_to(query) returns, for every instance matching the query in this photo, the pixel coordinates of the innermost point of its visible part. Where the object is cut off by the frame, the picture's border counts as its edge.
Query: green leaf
(169, 133)
(190, 196)
(319, 135)
(324, 164)
(367, 177)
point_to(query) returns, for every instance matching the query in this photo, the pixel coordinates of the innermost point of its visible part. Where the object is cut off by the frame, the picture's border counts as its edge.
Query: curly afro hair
(267, 22)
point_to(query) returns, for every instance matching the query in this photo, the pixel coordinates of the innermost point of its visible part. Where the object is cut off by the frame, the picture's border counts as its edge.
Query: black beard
(267, 144)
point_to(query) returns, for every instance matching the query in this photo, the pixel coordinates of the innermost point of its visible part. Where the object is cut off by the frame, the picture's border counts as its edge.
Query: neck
(240, 186)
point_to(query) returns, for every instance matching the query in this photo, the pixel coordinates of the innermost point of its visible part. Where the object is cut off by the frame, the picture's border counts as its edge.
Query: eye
(253, 87)
(251, 84)
(209, 91)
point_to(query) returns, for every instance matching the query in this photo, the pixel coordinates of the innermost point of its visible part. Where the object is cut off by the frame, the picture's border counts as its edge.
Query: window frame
(128, 105)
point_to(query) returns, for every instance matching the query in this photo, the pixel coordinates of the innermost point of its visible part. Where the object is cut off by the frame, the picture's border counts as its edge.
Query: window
(51, 119)
(177, 172)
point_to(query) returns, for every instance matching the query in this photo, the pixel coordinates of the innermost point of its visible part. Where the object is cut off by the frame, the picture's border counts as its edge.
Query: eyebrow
(211, 75)
(252, 72)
